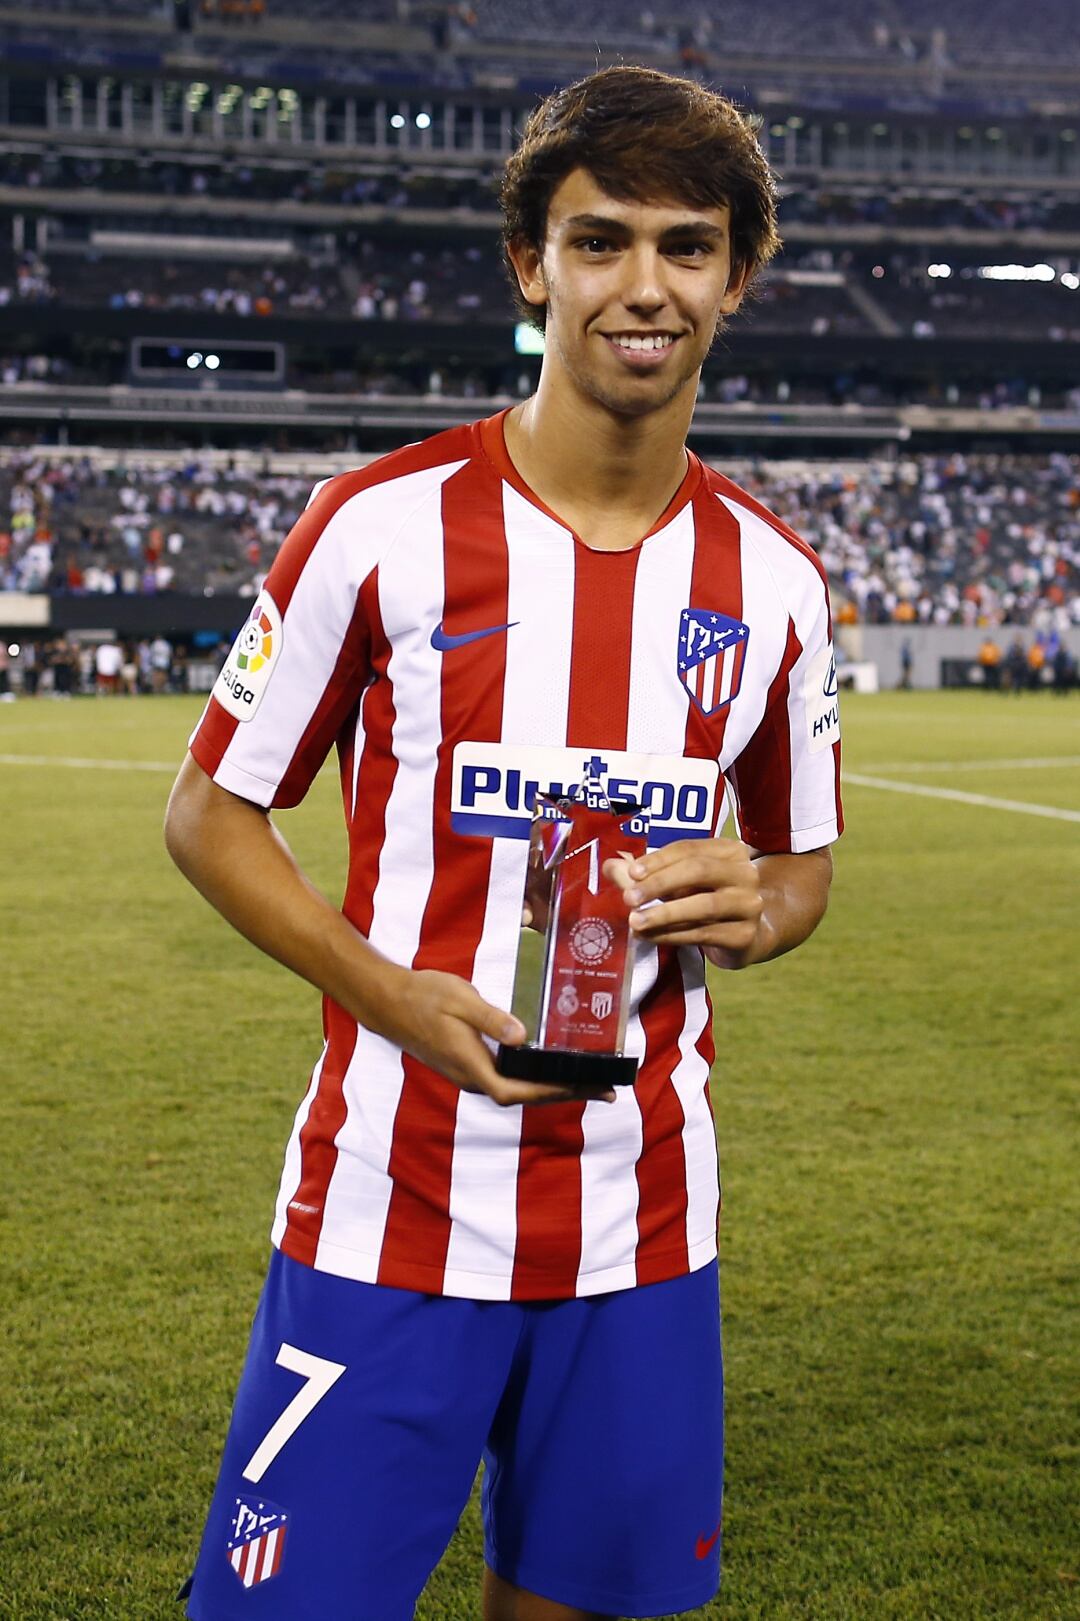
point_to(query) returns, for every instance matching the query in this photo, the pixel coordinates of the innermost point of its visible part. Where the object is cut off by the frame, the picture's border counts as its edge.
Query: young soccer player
(467, 1266)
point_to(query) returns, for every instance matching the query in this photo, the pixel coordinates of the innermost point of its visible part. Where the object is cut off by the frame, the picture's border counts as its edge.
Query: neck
(605, 473)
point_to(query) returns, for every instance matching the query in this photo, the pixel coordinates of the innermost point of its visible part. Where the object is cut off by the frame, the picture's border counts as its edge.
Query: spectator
(62, 660)
(108, 665)
(129, 671)
(31, 669)
(161, 655)
(990, 664)
(1016, 665)
(1064, 670)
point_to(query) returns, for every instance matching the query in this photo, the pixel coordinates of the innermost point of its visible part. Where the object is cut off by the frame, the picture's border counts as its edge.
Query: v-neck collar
(493, 445)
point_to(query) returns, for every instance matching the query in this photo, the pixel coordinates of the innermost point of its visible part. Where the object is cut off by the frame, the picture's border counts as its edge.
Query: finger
(733, 937)
(711, 907)
(691, 873)
(654, 861)
(616, 870)
(478, 1073)
(488, 1020)
(534, 1094)
(459, 1054)
(508, 1090)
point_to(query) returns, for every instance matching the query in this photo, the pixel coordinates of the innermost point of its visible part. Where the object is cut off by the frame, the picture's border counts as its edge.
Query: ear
(528, 266)
(738, 282)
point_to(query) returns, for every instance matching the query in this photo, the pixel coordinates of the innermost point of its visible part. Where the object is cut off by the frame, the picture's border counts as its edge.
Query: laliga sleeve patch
(255, 653)
(822, 701)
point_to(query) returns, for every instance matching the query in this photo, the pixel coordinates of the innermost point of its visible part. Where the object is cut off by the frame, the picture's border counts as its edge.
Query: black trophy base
(560, 1066)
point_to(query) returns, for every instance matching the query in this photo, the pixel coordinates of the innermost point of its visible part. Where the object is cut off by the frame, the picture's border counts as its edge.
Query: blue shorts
(364, 1411)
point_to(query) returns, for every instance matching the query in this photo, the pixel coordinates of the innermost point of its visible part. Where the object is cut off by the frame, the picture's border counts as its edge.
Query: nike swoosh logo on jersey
(703, 1548)
(443, 642)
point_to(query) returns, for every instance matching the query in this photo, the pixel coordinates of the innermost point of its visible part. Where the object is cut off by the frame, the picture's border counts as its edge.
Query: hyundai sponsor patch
(822, 701)
(495, 787)
(711, 655)
(250, 664)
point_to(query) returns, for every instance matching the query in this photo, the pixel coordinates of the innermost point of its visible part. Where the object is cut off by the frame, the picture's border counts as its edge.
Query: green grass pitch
(897, 1113)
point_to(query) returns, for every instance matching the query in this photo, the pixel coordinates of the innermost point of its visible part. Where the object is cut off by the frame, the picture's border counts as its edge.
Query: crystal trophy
(576, 949)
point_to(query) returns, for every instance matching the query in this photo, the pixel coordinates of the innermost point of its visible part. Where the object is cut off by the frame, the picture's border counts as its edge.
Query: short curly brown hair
(643, 136)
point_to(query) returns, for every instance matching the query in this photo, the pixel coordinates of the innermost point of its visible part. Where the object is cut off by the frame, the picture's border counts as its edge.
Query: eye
(690, 250)
(596, 244)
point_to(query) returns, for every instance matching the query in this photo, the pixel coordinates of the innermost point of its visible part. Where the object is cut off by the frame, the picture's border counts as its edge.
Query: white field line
(90, 765)
(1037, 764)
(856, 779)
(923, 792)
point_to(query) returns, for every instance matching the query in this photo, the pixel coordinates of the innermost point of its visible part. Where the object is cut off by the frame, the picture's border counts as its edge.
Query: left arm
(742, 906)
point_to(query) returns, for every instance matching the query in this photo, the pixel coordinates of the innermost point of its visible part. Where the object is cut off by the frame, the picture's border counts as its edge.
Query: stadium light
(940, 272)
(14, 649)
(1040, 272)
(194, 360)
(423, 120)
(397, 120)
(212, 362)
(1070, 279)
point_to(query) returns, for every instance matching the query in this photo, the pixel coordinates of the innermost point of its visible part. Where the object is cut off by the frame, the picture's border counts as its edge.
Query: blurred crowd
(342, 184)
(1028, 665)
(65, 666)
(413, 377)
(944, 540)
(346, 184)
(374, 279)
(947, 540)
(75, 527)
(369, 282)
(917, 32)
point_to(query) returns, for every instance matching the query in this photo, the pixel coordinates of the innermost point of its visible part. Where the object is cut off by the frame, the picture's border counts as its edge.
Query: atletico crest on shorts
(712, 652)
(257, 1543)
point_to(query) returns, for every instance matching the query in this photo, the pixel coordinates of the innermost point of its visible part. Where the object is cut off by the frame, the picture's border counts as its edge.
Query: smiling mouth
(641, 343)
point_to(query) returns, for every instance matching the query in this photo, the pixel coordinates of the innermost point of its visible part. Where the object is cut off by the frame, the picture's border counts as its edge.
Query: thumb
(494, 1022)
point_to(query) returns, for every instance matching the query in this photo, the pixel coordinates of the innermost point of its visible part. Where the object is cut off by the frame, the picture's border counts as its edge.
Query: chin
(636, 401)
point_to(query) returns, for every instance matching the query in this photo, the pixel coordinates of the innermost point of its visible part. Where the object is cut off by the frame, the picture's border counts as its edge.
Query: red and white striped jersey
(462, 648)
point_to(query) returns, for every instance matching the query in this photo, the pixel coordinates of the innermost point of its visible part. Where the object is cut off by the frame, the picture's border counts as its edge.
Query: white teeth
(648, 344)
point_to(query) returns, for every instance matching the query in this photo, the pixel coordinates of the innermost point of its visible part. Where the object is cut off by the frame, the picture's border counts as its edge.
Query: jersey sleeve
(300, 661)
(786, 780)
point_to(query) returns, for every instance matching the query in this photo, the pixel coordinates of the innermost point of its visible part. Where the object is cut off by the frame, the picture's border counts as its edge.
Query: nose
(645, 284)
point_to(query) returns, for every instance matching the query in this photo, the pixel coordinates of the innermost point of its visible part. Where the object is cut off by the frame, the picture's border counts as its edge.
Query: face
(634, 292)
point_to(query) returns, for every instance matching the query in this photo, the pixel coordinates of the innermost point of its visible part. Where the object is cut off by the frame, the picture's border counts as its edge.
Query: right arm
(230, 850)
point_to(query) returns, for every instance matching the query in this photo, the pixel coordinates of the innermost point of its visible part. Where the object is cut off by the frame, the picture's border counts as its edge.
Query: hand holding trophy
(576, 951)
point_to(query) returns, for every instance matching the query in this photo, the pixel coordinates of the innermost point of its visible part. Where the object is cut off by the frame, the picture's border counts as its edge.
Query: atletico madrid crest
(257, 1543)
(712, 652)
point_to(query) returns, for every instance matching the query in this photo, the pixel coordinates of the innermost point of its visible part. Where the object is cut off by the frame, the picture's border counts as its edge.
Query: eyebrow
(613, 227)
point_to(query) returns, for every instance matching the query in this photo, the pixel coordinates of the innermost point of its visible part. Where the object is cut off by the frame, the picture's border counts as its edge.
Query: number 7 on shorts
(320, 1376)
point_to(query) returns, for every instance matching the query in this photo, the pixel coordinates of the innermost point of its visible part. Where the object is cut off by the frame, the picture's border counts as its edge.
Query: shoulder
(352, 520)
(786, 552)
(400, 473)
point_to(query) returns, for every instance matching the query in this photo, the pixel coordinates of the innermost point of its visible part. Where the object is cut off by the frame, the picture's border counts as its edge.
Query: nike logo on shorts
(443, 642)
(703, 1548)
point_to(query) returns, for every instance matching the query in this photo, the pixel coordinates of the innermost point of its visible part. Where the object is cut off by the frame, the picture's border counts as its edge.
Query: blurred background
(244, 244)
(247, 243)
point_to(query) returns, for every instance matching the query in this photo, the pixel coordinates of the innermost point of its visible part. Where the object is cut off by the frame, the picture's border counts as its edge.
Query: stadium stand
(973, 31)
(325, 187)
(946, 540)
